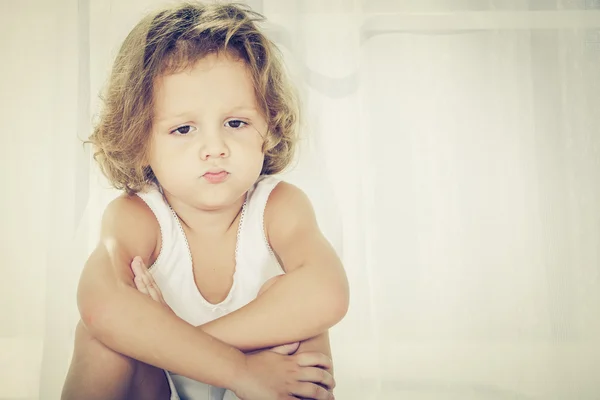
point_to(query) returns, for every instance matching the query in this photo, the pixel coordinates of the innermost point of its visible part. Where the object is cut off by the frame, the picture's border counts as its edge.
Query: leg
(97, 372)
(151, 383)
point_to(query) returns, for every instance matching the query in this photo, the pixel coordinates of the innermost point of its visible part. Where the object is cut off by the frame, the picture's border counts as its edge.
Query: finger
(153, 288)
(286, 349)
(317, 375)
(153, 293)
(140, 285)
(137, 266)
(156, 294)
(144, 280)
(307, 390)
(313, 359)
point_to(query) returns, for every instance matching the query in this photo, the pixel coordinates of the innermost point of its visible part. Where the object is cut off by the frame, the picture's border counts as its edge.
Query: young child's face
(206, 120)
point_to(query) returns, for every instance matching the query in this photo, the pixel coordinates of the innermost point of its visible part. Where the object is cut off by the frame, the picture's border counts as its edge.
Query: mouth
(216, 176)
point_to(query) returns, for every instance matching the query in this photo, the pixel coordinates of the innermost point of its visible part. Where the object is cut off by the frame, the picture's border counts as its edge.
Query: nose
(213, 146)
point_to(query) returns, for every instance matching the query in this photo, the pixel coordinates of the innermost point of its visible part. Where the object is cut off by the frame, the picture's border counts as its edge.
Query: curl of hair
(171, 40)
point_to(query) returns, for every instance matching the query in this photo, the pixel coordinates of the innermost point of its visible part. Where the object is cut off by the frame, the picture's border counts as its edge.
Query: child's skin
(206, 118)
(145, 283)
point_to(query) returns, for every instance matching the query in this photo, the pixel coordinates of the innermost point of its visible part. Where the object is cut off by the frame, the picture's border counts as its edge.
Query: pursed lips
(215, 175)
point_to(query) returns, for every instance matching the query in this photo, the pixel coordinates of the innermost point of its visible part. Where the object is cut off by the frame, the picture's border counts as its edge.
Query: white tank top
(255, 263)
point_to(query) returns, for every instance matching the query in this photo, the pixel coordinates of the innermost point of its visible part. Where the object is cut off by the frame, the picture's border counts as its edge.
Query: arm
(319, 343)
(309, 299)
(124, 320)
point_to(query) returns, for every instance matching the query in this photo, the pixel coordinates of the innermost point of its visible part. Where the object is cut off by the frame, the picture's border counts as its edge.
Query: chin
(215, 201)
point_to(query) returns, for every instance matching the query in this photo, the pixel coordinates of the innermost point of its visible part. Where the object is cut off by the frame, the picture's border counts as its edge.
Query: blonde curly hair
(168, 41)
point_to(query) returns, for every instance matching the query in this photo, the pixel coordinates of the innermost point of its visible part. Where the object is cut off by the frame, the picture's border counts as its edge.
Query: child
(198, 117)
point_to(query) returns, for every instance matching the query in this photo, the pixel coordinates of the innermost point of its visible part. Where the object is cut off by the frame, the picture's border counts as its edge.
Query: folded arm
(309, 299)
(320, 344)
(117, 315)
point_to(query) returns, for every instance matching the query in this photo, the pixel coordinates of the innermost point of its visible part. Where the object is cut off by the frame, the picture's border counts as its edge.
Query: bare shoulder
(128, 225)
(128, 229)
(291, 226)
(287, 209)
(127, 210)
(294, 234)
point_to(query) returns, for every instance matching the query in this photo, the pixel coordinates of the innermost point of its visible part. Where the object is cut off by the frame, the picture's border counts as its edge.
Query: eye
(236, 123)
(182, 130)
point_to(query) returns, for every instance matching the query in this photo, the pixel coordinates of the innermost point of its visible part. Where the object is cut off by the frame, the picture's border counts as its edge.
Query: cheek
(252, 156)
(253, 142)
(258, 148)
(164, 158)
(167, 148)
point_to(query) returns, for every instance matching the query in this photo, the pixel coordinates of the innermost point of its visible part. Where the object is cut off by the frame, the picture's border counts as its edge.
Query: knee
(88, 351)
(82, 334)
(96, 371)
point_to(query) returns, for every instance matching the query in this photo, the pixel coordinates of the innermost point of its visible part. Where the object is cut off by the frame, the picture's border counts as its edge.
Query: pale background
(452, 151)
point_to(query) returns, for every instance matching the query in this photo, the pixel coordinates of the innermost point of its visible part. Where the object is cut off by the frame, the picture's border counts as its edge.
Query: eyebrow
(169, 118)
(244, 108)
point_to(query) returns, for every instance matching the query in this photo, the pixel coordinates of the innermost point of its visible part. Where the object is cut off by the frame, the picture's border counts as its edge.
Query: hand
(144, 282)
(289, 349)
(272, 376)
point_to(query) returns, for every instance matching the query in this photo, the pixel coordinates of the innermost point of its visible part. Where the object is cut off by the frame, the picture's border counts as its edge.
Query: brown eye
(236, 124)
(182, 130)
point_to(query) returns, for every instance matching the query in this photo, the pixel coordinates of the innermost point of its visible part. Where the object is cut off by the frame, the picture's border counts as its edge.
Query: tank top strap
(169, 229)
(256, 203)
(255, 256)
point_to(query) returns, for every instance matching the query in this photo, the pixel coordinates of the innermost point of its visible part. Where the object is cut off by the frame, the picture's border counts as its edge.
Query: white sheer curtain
(452, 151)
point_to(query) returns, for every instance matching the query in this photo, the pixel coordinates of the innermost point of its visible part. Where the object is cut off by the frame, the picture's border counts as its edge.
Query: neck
(206, 222)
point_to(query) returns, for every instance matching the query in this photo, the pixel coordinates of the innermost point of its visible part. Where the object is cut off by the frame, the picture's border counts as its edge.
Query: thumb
(139, 260)
(137, 265)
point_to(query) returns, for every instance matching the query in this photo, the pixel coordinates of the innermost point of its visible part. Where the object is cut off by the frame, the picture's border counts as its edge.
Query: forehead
(213, 84)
